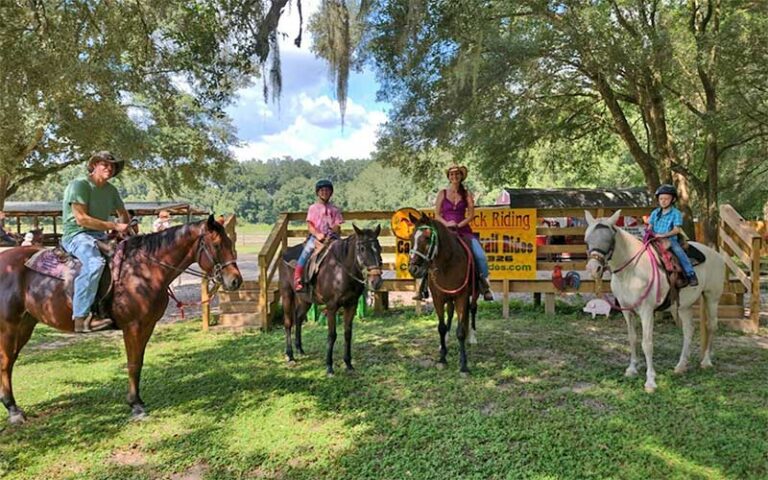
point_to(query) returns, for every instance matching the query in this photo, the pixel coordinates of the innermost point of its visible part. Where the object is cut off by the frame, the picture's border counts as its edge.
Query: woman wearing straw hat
(454, 208)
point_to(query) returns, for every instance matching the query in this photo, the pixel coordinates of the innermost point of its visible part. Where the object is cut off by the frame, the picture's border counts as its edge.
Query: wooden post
(505, 298)
(380, 302)
(205, 304)
(263, 295)
(549, 303)
(754, 302)
(419, 303)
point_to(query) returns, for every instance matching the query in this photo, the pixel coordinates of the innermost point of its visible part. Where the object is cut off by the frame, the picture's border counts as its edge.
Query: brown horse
(149, 264)
(439, 252)
(339, 284)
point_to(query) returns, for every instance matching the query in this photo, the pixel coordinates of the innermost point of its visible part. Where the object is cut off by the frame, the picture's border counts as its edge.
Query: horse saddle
(57, 263)
(316, 259)
(671, 265)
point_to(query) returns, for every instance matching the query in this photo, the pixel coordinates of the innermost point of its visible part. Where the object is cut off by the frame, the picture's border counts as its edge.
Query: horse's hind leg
(472, 331)
(299, 318)
(708, 329)
(289, 309)
(12, 339)
(685, 315)
(331, 317)
(442, 328)
(462, 326)
(349, 315)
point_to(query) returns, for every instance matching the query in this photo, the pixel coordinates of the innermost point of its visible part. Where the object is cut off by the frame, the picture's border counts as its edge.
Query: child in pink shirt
(323, 220)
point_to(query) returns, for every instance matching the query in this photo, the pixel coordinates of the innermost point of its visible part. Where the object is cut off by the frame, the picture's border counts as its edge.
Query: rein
(432, 253)
(655, 277)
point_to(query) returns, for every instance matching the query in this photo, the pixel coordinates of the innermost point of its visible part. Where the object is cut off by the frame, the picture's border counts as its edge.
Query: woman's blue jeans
(479, 254)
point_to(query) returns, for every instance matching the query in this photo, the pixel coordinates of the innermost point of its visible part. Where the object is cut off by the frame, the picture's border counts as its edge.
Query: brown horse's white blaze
(150, 263)
(641, 287)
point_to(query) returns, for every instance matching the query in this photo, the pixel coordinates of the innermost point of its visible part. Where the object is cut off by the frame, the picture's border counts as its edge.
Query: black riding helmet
(322, 184)
(666, 189)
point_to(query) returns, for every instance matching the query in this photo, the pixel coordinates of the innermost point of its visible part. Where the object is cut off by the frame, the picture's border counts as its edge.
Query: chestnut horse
(452, 280)
(148, 265)
(340, 282)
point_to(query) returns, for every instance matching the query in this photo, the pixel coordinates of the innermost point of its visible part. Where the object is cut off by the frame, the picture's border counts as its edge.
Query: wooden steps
(241, 308)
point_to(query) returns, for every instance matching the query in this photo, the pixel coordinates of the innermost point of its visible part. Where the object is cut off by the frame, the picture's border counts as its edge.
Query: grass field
(546, 399)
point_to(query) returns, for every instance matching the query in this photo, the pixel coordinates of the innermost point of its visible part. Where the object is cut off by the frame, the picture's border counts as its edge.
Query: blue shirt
(665, 222)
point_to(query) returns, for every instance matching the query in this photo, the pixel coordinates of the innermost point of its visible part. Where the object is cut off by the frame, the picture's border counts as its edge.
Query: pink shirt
(324, 216)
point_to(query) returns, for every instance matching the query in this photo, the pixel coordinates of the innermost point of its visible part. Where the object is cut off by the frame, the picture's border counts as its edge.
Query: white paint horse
(640, 285)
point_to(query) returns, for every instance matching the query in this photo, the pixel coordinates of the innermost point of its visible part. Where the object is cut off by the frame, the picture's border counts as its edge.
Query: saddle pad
(49, 263)
(695, 255)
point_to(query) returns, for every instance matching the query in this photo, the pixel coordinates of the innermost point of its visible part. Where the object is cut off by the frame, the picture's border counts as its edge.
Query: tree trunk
(4, 182)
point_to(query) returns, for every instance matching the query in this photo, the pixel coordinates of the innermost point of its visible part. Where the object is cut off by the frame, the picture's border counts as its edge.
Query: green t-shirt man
(102, 202)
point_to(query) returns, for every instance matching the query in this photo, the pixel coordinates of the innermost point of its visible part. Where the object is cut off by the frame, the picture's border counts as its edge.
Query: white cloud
(359, 143)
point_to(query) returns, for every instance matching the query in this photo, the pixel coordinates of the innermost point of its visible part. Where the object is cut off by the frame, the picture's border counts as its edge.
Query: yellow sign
(508, 236)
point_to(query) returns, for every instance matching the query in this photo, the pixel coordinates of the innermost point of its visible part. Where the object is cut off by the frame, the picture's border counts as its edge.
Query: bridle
(599, 254)
(202, 249)
(372, 270)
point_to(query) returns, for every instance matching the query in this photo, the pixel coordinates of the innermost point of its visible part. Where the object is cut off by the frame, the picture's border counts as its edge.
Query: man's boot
(89, 324)
(297, 273)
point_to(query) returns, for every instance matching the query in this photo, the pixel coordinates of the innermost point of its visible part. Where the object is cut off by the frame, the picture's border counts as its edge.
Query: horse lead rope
(655, 278)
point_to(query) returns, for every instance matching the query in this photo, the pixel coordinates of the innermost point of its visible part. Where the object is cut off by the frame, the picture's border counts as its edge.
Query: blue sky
(306, 121)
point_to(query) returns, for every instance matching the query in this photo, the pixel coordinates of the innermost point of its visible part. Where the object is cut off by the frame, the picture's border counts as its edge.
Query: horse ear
(612, 221)
(377, 231)
(588, 217)
(211, 223)
(413, 219)
(357, 230)
(424, 218)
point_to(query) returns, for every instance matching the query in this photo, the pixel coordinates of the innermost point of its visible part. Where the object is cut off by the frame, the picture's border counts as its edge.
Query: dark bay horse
(437, 251)
(340, 282)
(149, 264)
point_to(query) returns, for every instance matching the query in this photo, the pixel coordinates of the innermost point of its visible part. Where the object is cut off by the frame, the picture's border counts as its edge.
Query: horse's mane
(152, 242)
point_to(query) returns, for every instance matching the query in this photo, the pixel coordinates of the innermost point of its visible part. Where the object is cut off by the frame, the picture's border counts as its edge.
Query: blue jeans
(685, 262)
(83, 247)
(306, 252)
(479, 254)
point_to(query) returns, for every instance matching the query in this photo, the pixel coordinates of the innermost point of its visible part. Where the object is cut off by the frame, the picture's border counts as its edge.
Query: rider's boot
(297, 273)
(89, 324)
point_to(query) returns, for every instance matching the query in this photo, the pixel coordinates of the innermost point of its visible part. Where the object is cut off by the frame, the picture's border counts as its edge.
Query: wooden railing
(571, 256)
(741, 246)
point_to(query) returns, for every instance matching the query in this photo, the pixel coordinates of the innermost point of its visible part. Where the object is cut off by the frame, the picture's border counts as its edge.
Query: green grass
(546, 399)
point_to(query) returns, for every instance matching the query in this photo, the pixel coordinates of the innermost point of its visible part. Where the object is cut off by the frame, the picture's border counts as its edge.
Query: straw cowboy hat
(460, 168)
(105, 156)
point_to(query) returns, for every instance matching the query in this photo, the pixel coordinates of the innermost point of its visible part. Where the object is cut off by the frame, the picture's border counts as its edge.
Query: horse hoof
(630, 372)
(139, 417)
(464, 373)
(706, 365)
(650, 388)
(472, 338)
(679, 370)
(291, 363)
(17, 418)
(440, 365)
(329, 374)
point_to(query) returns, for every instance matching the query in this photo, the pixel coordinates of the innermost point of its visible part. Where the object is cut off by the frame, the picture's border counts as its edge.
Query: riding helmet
(668, 190)
(322, 184)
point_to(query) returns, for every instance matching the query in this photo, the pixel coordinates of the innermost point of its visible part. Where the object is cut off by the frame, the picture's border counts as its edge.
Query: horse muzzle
(595, 268)
(231, 279)
(375, 280)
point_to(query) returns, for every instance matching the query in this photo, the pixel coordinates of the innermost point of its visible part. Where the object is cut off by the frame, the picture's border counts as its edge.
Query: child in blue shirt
(666, 222)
